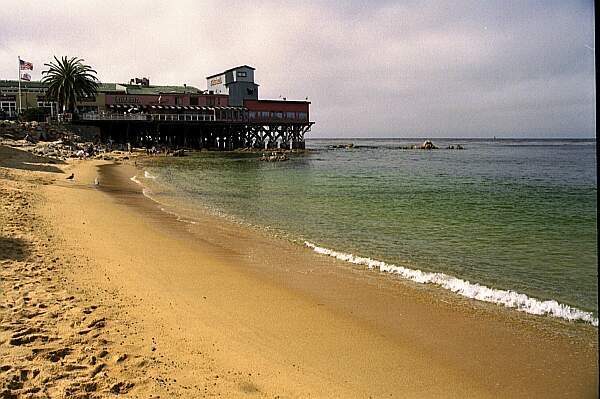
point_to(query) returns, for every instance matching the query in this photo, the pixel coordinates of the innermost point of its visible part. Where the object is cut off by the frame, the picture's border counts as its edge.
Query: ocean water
(505, 221)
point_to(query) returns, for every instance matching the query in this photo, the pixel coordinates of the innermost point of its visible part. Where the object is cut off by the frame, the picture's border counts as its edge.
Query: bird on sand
(71, 177)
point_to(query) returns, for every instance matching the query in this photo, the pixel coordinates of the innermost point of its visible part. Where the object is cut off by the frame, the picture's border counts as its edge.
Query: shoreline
(354, 280)
(507, 297)
(220, 300)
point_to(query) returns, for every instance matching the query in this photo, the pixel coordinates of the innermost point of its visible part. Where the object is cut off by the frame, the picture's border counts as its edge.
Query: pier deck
(210, 130)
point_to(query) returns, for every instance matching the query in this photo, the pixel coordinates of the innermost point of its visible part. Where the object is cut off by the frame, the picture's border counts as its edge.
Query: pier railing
(204, 117)
(148, 117)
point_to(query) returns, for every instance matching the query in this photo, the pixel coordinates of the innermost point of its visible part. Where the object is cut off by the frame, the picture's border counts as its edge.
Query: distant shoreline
(308, 138)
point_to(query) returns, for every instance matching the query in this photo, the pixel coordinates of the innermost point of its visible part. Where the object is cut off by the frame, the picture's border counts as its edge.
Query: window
(86, 109)
(290, 115)
(45, 104)
(87, 99)
(264, 114)
(249, 91)
(49, 106)
(252, 115)
(302, 116)
(278, 115)
(242, 74)
(9, 107)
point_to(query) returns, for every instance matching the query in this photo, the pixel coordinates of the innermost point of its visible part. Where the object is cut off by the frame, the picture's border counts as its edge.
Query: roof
(24, 84)
(173, 107)
(141, 90)
(280, 101)
(110, 88)
(231, 69)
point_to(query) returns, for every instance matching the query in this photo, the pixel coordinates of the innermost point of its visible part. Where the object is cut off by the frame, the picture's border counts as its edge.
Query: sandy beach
(105, 294)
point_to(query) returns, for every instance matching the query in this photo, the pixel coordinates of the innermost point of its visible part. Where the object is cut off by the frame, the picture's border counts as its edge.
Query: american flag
(24, 65)
(26, 77)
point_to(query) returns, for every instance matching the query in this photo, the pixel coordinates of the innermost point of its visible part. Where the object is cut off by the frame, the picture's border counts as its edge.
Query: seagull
(96, 181)
(71, 177)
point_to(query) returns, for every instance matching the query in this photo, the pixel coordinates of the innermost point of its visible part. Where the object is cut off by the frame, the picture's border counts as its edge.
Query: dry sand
(103, 294)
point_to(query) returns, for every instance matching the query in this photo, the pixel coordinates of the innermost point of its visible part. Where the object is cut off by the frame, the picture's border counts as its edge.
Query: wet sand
(214, 308)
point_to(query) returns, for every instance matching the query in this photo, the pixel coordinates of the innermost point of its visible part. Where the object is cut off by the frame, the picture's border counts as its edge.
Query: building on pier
(237, 83)
(226, 116)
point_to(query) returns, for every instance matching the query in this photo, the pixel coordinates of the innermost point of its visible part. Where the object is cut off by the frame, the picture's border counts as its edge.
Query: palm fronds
(68, 80)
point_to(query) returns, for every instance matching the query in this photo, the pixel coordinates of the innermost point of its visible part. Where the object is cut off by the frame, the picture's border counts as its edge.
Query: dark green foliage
(33, 114)
(69, 79)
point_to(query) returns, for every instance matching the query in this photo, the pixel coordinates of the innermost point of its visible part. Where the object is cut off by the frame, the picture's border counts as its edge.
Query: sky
(370, 68)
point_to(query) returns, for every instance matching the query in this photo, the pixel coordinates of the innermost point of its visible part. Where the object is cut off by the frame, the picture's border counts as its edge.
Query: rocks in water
(273, 157)
(347, 146)
(428, 145)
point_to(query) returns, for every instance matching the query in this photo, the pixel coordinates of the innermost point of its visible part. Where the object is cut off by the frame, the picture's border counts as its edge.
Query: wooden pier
(223, 129)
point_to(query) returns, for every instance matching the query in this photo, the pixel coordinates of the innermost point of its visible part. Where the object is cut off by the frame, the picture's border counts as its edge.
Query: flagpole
(20, 104)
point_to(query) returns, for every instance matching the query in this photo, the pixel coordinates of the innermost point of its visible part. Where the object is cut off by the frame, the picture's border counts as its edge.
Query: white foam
(510, 299)
(148, 194)
(147, 175)
(146, 191)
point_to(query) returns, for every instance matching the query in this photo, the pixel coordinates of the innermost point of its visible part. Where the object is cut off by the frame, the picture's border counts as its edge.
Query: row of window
(24, 89)
(252, 115)
(9, 107)
(13, 104)
(45, 104)
(210, 101)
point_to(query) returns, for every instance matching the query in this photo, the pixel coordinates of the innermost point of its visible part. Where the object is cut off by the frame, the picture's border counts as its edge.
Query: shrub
(33, 114)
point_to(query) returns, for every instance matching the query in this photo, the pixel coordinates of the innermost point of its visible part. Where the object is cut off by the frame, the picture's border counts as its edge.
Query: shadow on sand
(13, 248)
(19, 159)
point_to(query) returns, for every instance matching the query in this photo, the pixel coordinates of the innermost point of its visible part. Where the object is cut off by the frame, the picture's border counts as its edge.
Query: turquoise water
(509, 214)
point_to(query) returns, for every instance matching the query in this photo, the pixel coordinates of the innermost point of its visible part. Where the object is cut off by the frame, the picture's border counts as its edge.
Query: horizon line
(451, 138)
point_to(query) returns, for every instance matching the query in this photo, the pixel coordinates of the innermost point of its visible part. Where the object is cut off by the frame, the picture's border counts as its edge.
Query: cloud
(461, 68)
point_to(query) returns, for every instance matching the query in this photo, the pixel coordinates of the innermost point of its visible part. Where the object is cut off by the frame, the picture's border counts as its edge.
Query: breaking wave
(509, 299)
(146, 191)
(148, 194)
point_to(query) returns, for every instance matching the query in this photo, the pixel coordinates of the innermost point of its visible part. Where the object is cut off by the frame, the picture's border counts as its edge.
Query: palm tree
(69, 79)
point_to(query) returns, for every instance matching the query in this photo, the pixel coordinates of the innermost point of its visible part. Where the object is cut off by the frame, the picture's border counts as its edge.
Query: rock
(97, 369)
(121, 358)
(428, 145)
(121, 387)
(349, 145)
